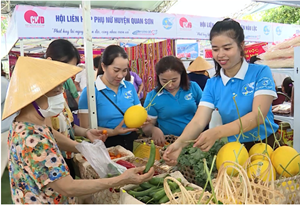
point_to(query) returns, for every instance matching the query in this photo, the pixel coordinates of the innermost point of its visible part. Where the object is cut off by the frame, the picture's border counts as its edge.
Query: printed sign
(47, 22)
(54, 22)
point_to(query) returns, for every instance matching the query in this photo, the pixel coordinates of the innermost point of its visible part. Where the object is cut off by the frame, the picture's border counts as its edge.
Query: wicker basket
(290, 188)
(126, 154)
(170, 139)
(188, 173)
(108, 196)
(231, 190)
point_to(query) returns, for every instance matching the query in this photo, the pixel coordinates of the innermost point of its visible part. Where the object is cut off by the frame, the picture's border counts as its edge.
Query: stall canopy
(31, 22)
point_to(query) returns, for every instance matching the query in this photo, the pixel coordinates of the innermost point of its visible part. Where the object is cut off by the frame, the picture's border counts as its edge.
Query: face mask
(55, 106)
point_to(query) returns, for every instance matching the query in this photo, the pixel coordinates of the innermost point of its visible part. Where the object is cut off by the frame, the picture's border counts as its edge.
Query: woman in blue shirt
(114, 95)
(252, 86)
(174, 107)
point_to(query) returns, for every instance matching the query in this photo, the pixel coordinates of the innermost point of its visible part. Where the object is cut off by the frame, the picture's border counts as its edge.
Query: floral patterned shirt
(34, 162)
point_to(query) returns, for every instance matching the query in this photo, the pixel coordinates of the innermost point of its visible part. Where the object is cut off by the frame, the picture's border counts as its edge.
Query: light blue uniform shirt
(107, 114)
(250, 81)
(173, 113)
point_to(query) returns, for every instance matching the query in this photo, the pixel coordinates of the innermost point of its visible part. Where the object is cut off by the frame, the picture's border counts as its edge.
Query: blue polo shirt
(108, 115)
(173, 113)
(250, 81)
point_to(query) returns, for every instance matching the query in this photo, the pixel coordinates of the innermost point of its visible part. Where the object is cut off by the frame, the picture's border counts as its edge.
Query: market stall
(199, 181)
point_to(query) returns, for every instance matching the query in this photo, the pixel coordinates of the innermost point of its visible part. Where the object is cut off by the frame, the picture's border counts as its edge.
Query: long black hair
(175, 64)
(62, 50)
(233, 30)
(287, 84)
(110, 53)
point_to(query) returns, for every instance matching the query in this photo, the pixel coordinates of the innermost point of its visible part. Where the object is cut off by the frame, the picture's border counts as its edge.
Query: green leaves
(193, 157)
(282, 14)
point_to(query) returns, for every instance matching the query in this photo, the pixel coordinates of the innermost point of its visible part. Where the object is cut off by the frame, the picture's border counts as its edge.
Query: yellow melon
(228, 153)
(282, 156)
(135, 116)
(257, 169)
(259, 148)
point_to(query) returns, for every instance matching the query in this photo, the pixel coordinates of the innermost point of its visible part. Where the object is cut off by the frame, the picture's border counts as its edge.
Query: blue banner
(189, 50)
(127, 44)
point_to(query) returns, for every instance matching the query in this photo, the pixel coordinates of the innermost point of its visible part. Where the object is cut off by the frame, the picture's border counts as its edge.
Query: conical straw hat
(199, 64)
(32, 78)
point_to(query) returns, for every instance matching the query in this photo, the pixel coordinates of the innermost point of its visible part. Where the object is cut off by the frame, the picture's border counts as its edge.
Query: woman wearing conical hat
(198, 71)
(37, 170)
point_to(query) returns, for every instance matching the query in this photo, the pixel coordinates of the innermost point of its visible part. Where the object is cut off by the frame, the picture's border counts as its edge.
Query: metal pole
(21, 47)
(175, 47)
(88, 52)
(296, 99)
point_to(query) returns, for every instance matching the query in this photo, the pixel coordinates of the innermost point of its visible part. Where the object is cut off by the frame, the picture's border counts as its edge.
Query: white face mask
(55, 106)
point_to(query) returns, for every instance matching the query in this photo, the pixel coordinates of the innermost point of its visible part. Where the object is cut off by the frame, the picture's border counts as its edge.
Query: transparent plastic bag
(97, 155)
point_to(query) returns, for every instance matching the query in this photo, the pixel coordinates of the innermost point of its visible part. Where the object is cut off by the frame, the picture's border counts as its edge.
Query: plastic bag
(97, 155)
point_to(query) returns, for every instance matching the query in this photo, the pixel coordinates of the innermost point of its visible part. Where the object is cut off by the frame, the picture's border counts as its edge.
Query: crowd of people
(43, 126)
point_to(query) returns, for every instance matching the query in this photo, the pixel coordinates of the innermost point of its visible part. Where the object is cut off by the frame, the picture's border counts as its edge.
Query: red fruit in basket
(155, 173)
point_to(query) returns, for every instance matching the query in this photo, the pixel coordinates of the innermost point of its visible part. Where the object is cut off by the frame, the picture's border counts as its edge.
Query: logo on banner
(266, 30)
(167, 23)
(32, 18)
(278, 30)
(184, 23)
(145, 33)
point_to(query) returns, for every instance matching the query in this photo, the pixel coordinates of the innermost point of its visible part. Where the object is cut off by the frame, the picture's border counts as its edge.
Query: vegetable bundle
(153, 192)
(193, 157)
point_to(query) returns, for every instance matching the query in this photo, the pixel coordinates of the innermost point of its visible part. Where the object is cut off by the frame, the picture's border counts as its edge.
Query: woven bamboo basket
(108, 196)
(169, 138)
(290, 188)
(231, 190)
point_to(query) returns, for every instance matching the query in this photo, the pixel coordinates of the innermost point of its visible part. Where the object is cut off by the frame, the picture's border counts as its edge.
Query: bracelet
(86, 131)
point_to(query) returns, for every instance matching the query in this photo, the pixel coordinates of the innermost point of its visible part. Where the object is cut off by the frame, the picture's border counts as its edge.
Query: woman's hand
(207, 139)
(94, 134)
(158, 137)
(172, 153)
(122, 130)
(148, 121)
(132, 176)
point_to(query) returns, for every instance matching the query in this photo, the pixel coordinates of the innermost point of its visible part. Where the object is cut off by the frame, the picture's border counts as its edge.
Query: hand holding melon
(122, 130)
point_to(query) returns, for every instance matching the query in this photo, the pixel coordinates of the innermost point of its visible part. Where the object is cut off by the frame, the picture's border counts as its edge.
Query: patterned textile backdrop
(142, 60)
